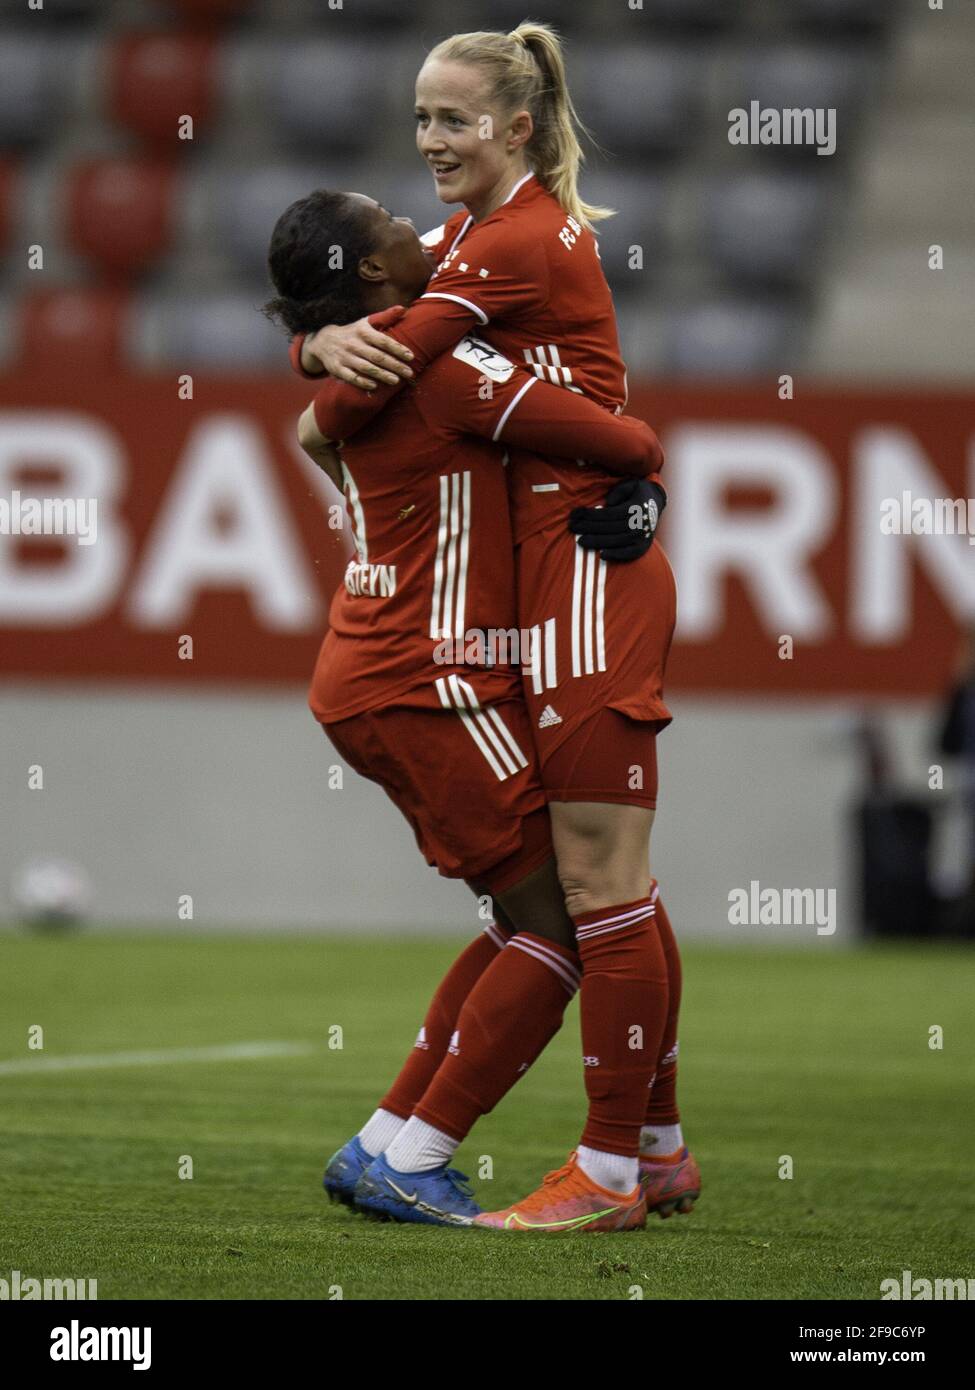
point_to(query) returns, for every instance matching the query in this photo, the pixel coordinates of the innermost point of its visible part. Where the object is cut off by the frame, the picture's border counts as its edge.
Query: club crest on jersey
(485, 359)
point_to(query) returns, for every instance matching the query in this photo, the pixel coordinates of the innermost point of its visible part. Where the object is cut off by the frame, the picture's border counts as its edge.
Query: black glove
(623, 528)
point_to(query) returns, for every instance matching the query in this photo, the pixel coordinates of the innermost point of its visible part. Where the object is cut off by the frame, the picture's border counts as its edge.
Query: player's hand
(623, 528)
(359, 353)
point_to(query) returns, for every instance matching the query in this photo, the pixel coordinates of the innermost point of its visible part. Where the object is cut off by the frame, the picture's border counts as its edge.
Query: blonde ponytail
(527, 72)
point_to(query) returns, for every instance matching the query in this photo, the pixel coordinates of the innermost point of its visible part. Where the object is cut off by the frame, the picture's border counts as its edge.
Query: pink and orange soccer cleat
(670, 1184)
(569, 1201)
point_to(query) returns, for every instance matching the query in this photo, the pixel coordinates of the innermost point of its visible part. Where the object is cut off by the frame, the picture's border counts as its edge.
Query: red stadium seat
(81, 328)
(120, 213)
(154, 79)
(8, 186)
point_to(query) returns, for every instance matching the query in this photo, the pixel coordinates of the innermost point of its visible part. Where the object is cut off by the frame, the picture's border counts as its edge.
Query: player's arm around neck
(357, 353)
(320, 450)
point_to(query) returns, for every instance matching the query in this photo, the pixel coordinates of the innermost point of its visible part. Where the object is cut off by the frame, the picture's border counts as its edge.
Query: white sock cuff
(616, 1172)
(419, 1147)
(660, 1139)
(642, 912)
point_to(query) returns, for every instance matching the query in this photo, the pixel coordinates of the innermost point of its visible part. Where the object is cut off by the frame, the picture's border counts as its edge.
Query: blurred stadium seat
(912, 150)
(378, 12)
(288, 97)
(246, 203)
(221, 331)
(29, 89)
(405, 195)
(806, 75)
(886, 316)
(82, 328)
(155, 79)
(63, 10)
(640, 100)
(640, 322)
(693, 13)
(854, 14)
(730, 338)
(764, 227)
(639, 202)
(206, 10)
(325, 92)
(9, 182)
(120, 213)
(506, 14)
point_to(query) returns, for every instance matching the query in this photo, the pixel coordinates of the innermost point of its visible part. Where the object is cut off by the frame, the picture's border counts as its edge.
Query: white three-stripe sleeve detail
(566, 373)
(436, 627)
(508, 736)
(535, 652)
(551, 677)
(358, 515)
(510, 407)
(576, 609)
(588, 609)
(460, 611)
(601, 617)
(487, 726)
(467, 720)
(448, 608)
(453, 526)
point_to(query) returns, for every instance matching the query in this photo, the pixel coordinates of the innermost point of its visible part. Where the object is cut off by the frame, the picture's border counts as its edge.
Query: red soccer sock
(432, 1041)
(510, 1015)
(624, 1008)
(662, 1105)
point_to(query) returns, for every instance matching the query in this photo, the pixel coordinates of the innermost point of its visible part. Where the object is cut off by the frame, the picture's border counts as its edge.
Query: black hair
(311, 291)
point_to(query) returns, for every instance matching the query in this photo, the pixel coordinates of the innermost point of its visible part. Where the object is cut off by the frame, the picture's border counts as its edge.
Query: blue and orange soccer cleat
(568, 1200)
(671, 1184)
(438, 1197)
(344, 1169)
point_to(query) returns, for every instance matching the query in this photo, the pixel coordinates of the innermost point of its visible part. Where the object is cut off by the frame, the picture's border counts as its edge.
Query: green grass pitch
(820, 1055)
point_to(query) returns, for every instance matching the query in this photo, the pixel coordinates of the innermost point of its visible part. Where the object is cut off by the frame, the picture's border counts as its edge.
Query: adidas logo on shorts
(548, 717)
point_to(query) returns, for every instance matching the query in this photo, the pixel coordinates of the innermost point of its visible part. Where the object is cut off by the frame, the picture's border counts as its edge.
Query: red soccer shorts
(466, 780)
(601, 635)
(609, 758)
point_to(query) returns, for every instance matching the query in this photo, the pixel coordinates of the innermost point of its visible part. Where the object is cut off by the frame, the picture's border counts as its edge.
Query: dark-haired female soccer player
(442, 729)
(497, 128)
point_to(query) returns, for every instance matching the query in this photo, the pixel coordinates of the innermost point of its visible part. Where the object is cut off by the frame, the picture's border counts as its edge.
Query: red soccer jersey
(529, 275)
(428, 505)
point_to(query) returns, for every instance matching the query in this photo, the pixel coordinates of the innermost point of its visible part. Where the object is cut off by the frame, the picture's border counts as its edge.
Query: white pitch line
(228, 1052)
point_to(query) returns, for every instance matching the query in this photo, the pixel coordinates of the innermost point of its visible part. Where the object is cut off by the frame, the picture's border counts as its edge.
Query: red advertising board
(821, 544)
